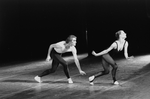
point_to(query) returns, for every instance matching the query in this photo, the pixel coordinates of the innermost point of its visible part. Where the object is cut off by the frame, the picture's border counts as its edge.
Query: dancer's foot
(70, 81)
(91, 79)
(38, 79)
(116, 83)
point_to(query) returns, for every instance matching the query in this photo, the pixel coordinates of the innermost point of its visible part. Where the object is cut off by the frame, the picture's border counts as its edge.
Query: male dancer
(55, 51)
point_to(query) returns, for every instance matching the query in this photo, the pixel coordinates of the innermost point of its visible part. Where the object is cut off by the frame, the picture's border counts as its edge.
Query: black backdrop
(28, 27)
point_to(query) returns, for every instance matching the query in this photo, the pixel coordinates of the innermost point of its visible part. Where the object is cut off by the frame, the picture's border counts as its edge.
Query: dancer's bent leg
(48, 71)
(109, 59)
(105, 72)
(65, 68)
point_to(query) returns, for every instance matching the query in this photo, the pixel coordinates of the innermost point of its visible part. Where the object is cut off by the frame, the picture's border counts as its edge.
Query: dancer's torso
(62, 48)
(118, 51)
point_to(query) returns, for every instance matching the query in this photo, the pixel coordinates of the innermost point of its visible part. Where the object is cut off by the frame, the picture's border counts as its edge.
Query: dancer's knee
(115, 67)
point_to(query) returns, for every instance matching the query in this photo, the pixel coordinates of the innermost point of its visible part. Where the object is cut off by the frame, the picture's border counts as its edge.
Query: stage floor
(17, 81)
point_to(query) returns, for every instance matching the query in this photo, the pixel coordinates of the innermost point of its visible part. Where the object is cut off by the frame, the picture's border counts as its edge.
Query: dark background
(28, 27)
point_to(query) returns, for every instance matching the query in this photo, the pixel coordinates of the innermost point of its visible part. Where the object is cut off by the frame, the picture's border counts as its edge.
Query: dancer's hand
(93, 52)
(82, 72)
(48, 58)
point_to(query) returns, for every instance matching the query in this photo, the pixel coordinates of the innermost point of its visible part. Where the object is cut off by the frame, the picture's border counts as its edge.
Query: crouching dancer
(107, 60)
(55, 51)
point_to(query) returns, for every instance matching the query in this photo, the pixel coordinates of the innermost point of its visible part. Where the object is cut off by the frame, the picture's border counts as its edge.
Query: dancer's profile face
(123, 35)
(73, 42)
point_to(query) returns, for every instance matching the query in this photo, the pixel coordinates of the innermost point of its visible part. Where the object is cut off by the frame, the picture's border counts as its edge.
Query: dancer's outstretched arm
(74, 52)
(113, 45)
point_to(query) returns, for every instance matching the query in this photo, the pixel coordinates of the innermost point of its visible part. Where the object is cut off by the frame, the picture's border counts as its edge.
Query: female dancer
(55, 51)
(107, 60)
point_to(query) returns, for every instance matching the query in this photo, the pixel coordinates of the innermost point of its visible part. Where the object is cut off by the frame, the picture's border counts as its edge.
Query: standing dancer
(107, 60)
(55, 51)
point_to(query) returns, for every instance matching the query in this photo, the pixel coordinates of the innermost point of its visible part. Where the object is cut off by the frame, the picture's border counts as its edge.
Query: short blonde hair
(118, 33)
(70, 37)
